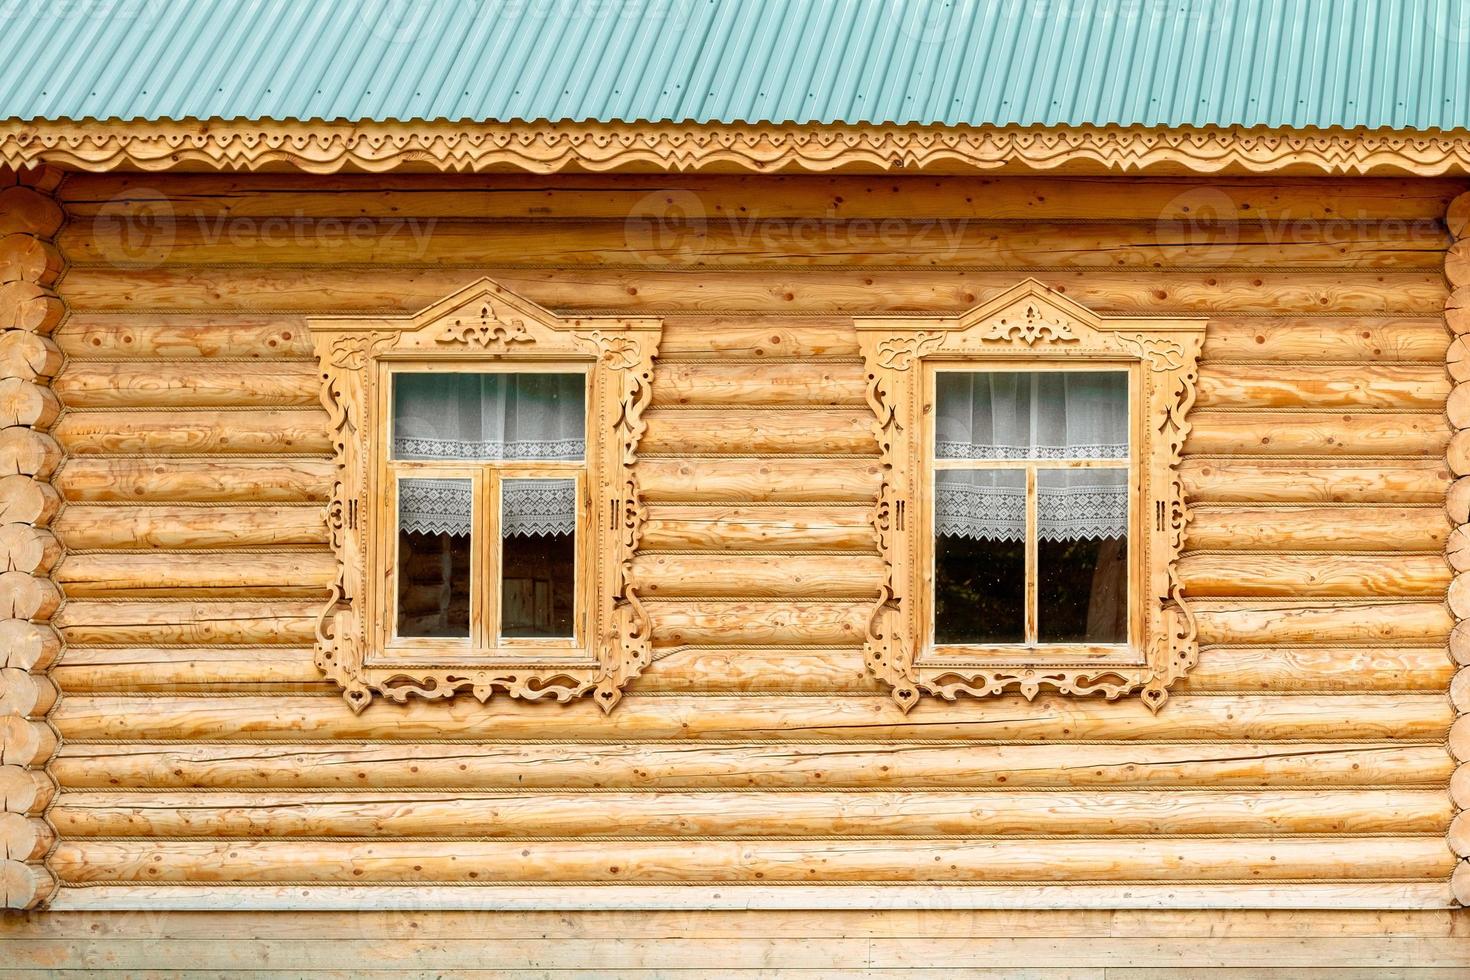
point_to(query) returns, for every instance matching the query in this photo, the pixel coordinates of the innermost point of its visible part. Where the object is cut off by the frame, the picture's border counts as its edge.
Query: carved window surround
(1035, 325)
(483, 322)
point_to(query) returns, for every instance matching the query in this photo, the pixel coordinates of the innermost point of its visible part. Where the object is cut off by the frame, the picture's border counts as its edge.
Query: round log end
(27, 258)
(1459, 596)
(27, 306)
(1457, 217)
(29, 210)
(26, 790)
(25, 742)
(26, 452)
(25, 694)
(1460, 690)
(25, 500)
(27, 403)
(1459, 741)
(28, 646)
(1457, 501)
(24, 886)
(24, 548)
(1460, 883)
(1460, 786)
(1457, 406)
(24, 838)
(28, 356)
(25, 596)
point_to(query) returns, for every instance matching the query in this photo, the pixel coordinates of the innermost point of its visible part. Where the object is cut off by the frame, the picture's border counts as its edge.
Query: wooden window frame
(482, 328)
(1030, 327)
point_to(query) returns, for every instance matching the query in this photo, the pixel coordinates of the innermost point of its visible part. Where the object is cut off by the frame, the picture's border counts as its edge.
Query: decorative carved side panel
(482, 323)
(1032, 324)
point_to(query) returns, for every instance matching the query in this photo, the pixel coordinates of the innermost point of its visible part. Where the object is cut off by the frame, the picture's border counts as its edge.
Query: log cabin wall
(201, 746)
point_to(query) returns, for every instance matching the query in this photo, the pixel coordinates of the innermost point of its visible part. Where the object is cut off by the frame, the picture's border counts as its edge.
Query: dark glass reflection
(433, 584)
(538, 559)
(1082, 591)
(979, 590)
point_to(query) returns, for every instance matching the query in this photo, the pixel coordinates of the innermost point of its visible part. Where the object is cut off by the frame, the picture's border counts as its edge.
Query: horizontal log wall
(198, 743)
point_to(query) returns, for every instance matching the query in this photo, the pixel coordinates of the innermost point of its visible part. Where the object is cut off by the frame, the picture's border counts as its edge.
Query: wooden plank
(1044, 197)
(799, 764)
(166, 480)
(261, 432)
(1265, 480)
(748, 814)
(710, 717)
(1309, 528)
(340, 290)
(86, 527)
(752, 240)
(753, 860)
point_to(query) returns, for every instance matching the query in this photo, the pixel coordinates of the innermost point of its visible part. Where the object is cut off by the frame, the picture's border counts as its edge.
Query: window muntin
(490, 469)
(1032, 506)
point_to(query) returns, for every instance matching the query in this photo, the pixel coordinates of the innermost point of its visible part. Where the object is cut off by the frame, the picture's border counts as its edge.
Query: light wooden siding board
(1318, 436)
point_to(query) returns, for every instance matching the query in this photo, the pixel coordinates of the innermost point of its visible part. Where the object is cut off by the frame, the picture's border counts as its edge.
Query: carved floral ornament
(1035, 325)
(484, 322)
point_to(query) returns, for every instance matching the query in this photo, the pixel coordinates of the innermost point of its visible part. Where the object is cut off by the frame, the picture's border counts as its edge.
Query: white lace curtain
(1017, 415)
(489, 417)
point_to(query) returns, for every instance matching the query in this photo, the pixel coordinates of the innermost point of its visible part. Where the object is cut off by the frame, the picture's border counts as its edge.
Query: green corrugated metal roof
(1287, 63)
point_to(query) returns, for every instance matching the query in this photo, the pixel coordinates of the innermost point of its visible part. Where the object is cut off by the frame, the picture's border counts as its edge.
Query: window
(485, 507)
(1031, 513)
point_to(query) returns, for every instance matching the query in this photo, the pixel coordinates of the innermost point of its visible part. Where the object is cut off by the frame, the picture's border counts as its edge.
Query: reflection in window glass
(980, 556)
(489, 416)
(434, 519)
(1024, 415)
(1082, 555)
(538, 558)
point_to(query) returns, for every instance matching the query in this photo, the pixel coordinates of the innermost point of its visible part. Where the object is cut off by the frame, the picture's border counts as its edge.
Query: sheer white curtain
(489, 417)
(1024, 415)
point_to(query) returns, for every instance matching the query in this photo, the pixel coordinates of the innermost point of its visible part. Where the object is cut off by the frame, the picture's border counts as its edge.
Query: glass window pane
(1032, 415)
(538, 564)
(434, 519)
(501, 416)
(980, 556)
(1082, 555)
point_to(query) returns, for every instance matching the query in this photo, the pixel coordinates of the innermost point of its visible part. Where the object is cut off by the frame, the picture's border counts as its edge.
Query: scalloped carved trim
(483, 320)
(763, 148)
(1032, 323)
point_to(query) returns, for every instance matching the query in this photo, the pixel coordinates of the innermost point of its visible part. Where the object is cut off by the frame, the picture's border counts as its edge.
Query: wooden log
(1044, 197)
(1458, 453)
(24, 596)
(759, 480)
(27, 645)
(261, 432)
(1408, 717)
(1259, 622)
(1394, 481)
(759, 623)
(1280, 433)
(1365, 338)
(1308, 528)
(1460, 786)
(744, 432)
(25, 742)
(26, 257)
(1457, 357)
(166, 480)
(27, 403)
(842, 575)
(29, 549)
(1308, 668)
(27, 306)
(30, 211)
(1403, 387)
(24, 500)
(766, 337)
(749, 814)
(22, 885)
(195, 670)
(799, 383)
(1287, 575)
(28, 791)
(1460, 691)
(88, 527)
(24, 694)
(1119, 859)
(795, 764)
(26, 452)
(1457, 501)
(327, 289)
(139, 384)
(672, 527)
(28, 356)
(181, 337)
(183, 574)
(24, 838)
(140, 622)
